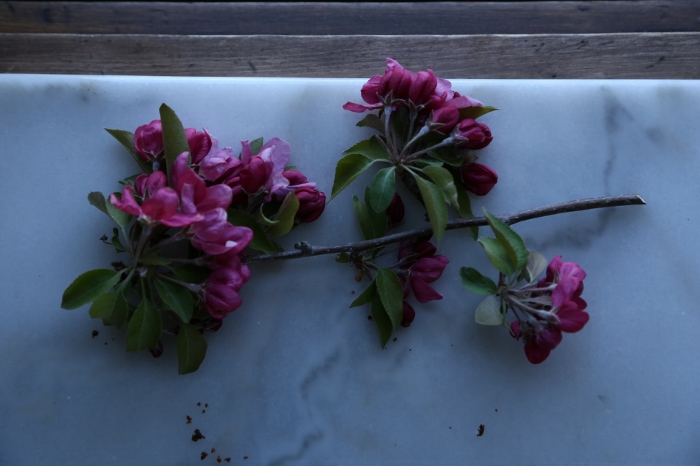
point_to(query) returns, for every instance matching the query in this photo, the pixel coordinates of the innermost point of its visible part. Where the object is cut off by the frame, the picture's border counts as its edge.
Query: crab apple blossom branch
(306, 250)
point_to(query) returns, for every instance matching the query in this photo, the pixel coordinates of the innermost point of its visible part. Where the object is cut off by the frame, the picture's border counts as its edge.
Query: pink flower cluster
(418, 268)
(202, 189)
(438, 107)
(542, 332)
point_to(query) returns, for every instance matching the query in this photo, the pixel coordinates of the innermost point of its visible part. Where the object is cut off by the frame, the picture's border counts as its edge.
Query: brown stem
(305, 249)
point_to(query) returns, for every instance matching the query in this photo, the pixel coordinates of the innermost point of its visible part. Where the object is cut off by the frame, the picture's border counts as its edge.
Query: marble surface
(295, 377)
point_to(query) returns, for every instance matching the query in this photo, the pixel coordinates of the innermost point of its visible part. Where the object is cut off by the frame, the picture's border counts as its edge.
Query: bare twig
(304, 249)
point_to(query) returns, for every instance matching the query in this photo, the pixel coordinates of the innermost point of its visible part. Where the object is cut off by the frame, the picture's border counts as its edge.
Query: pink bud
(478, 178)
(199, 142)
(254, 175)
(295, 177)
(448, 117)
(422, 87)
(148, 140)
(474, 135)
(408, 315)
(312, 202)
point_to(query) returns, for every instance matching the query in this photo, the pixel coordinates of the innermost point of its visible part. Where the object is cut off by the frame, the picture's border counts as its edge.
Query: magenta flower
(473, 135)
(312, 203)
(222, 287)
(423, 267)
(409, 314)
(478, 178)
(275, 154)
(148, 140)
(200, 143)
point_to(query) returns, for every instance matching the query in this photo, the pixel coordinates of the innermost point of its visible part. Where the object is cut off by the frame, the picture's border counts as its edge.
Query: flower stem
(305, 250)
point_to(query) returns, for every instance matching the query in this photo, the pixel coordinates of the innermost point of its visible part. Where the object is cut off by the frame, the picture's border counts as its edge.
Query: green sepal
(366, 296)
(435, 205)
(176, 297)
(391, 293)
(88, 286)
(191, 349)
(284, 216)
(261, 242)
(256, 145)
(475, 112)
(489, 311)
(144, 327)
(513, 243)
(129, 180)
(383, 188)
(174, 138)
(497, 254)
(381, 320)
(477, 283)
(126, 139)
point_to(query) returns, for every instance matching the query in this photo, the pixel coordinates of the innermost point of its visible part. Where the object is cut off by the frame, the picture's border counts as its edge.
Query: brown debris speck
(228, 460)
(94, 334)
(199, 404)
(245, 457)
(481, 430)
(395, 338)
(105, 343)
(496, 409)
(203, 455)
(206, 405)
(197, 436)
(218, 459)
(369, 317)
(213, 450)
(189, 420)
(204, 411)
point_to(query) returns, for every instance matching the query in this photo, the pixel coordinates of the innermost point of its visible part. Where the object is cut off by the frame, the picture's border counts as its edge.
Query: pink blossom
(447, 118)
(196, 196)
(200, 143)
(473, 135)
(148, 140)
(312, 202)
(222, 287)
(478, 178)
(275, 154)
(424, 268)
(160, 206)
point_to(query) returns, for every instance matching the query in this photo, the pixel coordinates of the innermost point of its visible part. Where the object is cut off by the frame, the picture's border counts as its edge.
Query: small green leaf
(465, 210)
(256, 145)
(497, 255)
(435, 204)
(488, 312)
(449, 155)
(536, 263)
(474, 112)
(372, 121)
(362, 213)
(445, 182)
(260, 241)
(378, 219)
(191, 349)
(383, 188)
(120, 313)
(103, 305)
(174, 139)
(144, 328)
(514, 244)
(371, 148)
(477, 283)
(391, 294)
(129, 180)
(126, 139)
(381, 320)
(366, 296)
(116, 242)
(177, 298)
(285, 216)
(349, 167)
(120, 218)
(97, 199)
(88, 286)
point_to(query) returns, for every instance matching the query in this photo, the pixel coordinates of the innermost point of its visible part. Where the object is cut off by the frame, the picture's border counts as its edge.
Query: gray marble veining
(296, 377)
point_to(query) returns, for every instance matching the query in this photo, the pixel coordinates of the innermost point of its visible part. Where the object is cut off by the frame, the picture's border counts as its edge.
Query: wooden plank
(657, 55)
(442, 18)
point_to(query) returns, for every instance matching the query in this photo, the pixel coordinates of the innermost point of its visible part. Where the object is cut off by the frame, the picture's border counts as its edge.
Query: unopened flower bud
(312, 202)
(422, 87)
(474, 135)
(478, 178)
(295, 177)
(408, 315)
(447, 118)
(254, 175)
(148, 140)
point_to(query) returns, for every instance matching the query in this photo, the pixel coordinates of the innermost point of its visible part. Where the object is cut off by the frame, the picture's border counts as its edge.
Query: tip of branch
(641, 201)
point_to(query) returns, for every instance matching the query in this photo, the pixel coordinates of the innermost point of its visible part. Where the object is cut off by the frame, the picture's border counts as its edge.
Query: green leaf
(383, 188)
(97, 199)
(260, 242)
(126, 139)
(261, 219)
(488, 312)
(103, 305)
(88, 286)
(435, 204)
(449, 155)
(497, 255)
(371, 148)
(191, 349)
(391, 294)
(372, 121)
(348, 168)
(191, 273)
(120, 313)
(536, 263)
(285, 216)
(465, 210)
(144, 328)
(366, 296)
(378, 219)
(513, 243)
(362, 213)
(174, 139)
(129, 180)
(120, 218)
(177, 298)
(256, 145)
(445, 182)
(381, 320)
(474, 112)
(116, 242)
(477, 283)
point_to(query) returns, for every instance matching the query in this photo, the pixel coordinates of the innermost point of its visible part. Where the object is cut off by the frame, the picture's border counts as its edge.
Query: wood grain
(442, 18)
(651, 55)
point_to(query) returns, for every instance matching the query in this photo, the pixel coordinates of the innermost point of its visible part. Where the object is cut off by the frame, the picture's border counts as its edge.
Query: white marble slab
(295, 377)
